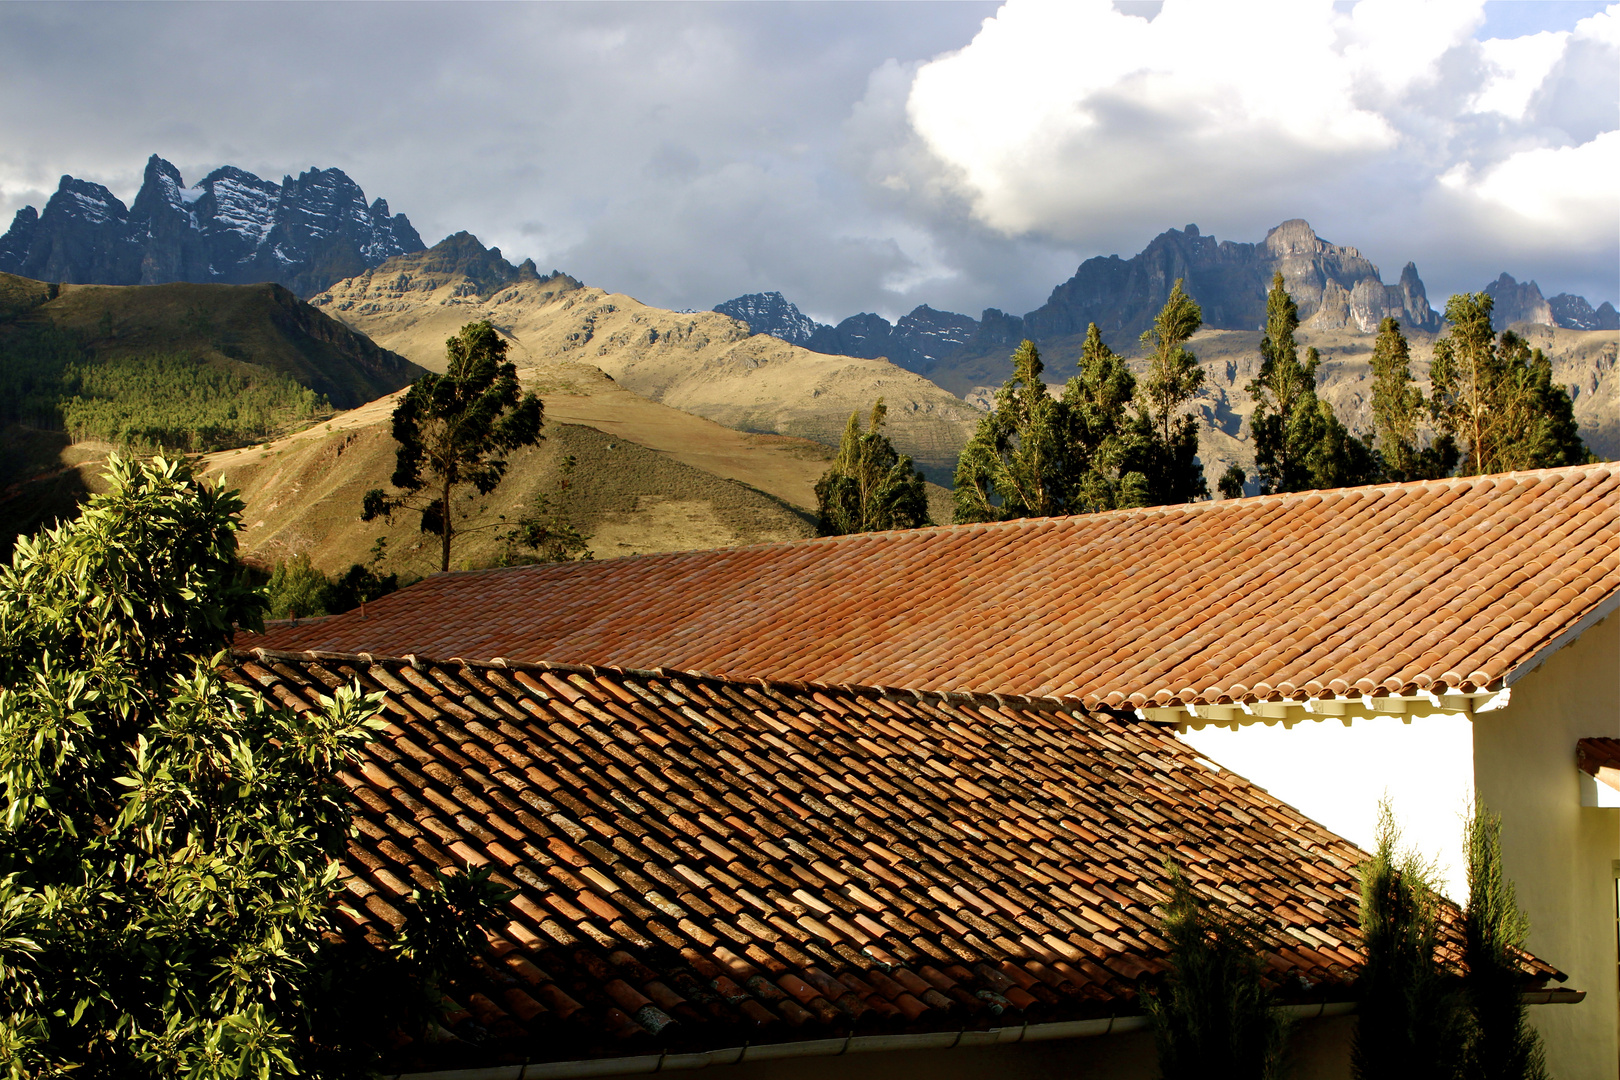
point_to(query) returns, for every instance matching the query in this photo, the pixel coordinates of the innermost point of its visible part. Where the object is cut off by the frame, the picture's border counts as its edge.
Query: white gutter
(854, 1044)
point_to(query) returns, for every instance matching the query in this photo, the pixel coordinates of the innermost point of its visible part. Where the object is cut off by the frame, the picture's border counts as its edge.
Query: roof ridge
(501, 663)
(1016, 524)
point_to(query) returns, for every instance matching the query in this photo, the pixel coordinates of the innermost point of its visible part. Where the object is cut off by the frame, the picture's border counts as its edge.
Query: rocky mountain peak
(1576, 313)
(1513, 302)
(1293, 237)
(459, 261)
(1335, 288)
(233, 227)
(15, 243)
(771, 313)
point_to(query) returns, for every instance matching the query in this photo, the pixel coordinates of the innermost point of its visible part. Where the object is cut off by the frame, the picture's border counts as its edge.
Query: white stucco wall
(1336, 773)
(1562, 855)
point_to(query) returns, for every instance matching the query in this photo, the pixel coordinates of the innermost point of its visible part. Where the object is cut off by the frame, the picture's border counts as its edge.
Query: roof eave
(1603, 609)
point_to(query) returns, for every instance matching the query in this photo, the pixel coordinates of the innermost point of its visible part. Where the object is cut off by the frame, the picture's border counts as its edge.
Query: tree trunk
(444, 529)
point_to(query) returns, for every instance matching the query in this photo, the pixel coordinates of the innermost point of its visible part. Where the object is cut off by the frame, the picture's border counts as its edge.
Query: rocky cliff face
(1335, 287)
(1513, 302)
(231, 228)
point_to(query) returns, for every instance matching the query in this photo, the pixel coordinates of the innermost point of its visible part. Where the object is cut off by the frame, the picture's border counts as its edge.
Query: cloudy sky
(868, 156)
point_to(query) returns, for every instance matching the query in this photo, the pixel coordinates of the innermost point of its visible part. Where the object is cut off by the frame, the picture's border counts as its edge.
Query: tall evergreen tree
(1211, 1016)
(1538, 414)
(1286, 421)
(1467, 376)
(1166, 450)
(1299, 444)
(1412, 1021)
(1396, 402)
(451, 429)
(1017, 464)
(1504, 1045)
(1497, 399)
(1340, 458)
(1397, 406)
(870, 486)
(1098, 401)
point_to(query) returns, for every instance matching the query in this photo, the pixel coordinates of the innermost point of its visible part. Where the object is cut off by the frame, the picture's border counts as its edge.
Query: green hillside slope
(86, 369)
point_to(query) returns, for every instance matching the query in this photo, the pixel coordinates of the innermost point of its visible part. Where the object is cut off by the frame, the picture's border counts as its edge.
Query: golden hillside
(700, 362)
(648, 478)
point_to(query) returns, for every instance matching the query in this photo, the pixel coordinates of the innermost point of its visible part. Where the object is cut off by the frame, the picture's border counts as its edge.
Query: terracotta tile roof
(703, 863)
(1394, 589)
(1601, 759)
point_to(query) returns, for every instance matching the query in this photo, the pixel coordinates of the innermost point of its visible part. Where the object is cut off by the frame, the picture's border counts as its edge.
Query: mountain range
(1512, 302)
(1335, 287)
(230, 228)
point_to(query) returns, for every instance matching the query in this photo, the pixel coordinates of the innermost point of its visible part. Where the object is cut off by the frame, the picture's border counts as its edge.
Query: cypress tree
(1396, 404)
(1098, 401)
(1017, 464)
(1165, 451)
(1412, 1021)
(1504, 1046)
(1299, 444)
(1538, 415)
(1211, 1014)
(1467, 377)
(870, 486)
(1285, 422)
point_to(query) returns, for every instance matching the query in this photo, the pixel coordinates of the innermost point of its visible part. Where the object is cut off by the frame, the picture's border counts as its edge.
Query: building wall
(1561, 855)
(1336, 773)
(1319, 1050)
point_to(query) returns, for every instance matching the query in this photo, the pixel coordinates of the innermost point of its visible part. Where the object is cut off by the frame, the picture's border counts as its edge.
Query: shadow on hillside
(41, 481)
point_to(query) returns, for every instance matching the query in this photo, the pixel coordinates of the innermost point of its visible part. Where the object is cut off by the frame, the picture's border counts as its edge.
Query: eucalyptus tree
(1017, 464)
(1497, 398)
(454, 429)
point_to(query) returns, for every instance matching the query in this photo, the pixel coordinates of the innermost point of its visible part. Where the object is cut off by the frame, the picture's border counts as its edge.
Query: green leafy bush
(298, 589)
(169, 839)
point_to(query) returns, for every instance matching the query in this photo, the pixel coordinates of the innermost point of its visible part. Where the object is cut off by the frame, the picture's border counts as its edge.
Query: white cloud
(1520, 66)
(1395, 45)
(1058, 112)
(1384, 123)
(1564, 189)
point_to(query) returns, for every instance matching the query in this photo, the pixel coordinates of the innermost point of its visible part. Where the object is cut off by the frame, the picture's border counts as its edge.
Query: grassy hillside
(647, 478)
(700, 362)
(262, 326)
(187, 368)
